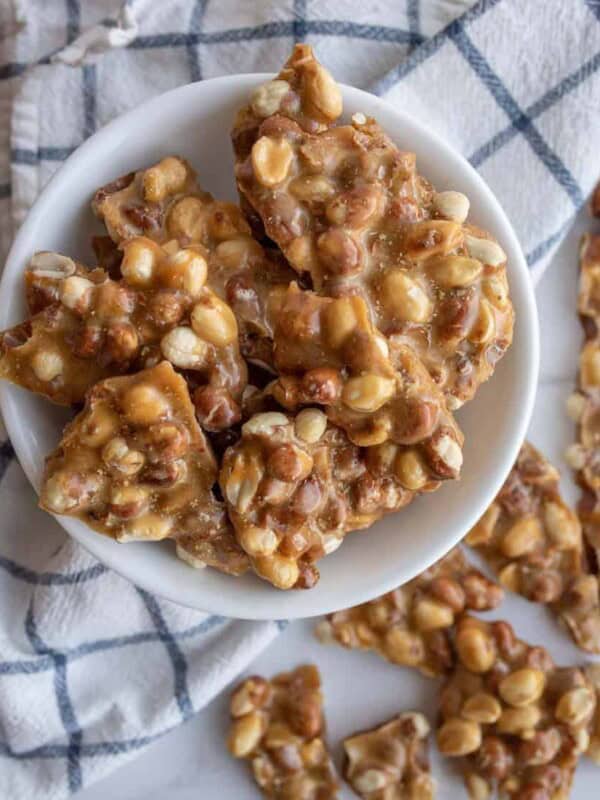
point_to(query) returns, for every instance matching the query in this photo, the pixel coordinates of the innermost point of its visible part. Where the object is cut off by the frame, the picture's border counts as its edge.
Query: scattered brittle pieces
(533, 541)
(584, 404)
(518, 723)
(391, 762)
(278, 727)
(294, 485)
(346, 206)
(96, 327)
(411, 625)
(135, 465)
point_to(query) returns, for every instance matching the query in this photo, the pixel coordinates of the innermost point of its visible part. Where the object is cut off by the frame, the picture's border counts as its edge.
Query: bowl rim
(528, 331)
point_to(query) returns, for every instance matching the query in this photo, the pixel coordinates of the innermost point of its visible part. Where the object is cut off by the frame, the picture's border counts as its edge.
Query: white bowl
(194, 121)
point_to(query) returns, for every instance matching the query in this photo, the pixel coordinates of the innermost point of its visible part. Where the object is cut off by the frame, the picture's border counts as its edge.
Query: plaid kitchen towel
(92, 669)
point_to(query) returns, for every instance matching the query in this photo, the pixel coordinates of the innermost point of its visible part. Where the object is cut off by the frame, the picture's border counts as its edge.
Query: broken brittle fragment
(278, 726)
(533, 541)
(303, 92)
(517, 722)
(584, 404)
(294, 486)
(135, 465)
(93, 329)
(391, 762)
(412, 624)
(240, 271)
(345, 205)
(327, 352)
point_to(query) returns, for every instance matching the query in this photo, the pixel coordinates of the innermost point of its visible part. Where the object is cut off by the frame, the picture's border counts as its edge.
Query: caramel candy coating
(327, 352)
(517, 722)
(135, 465)
(278, 727)
(533, 541)
(92, 327)
(391, 761)
(412, 625)
(294, 486)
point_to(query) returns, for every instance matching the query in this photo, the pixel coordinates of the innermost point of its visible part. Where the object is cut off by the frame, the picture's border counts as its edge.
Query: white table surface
(361, 690)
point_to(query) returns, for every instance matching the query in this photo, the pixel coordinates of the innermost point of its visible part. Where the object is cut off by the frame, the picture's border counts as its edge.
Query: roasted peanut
(459, 737)
(522, 687)
(144, 405)
(453, 272)
(368, 392)
(271, 160)
(483, 708)
(47, 365)
(404, 298)
(267, 97)
(214, 321)
(485, 250)
(310, 425)
(451, 205)
(184, 348)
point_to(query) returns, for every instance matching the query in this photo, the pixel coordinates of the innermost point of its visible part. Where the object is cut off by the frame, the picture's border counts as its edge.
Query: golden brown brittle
(346, 206)
(517, 722)
(278, 727)
(412, 624)
(391, 762)
(135, 465)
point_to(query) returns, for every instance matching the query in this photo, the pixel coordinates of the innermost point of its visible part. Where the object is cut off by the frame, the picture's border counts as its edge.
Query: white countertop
(360, 689)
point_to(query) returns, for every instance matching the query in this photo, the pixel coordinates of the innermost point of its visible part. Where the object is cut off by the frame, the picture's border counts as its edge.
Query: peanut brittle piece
(411, 625)
(517, 722)
(278, 727)
(240, 271)
(304, 92)
(328, 352)
(533, 541)
(161, 308)
(391, 762)
(294, 486)
(135, 465)
(348, 207)
(584, 405)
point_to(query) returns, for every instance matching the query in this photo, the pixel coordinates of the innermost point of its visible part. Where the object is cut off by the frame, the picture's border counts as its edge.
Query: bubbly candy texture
(294, 486)
(412, 625)
(326, 351)
(161, 308)
(517, 722)
(347, 207)
(241, 272)
(135, 465)
(533, 541)
(278, 726)
(391, 762)
(584, 405)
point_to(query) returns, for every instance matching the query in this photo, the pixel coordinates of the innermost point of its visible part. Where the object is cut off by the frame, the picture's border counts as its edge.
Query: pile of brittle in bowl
(255, 381)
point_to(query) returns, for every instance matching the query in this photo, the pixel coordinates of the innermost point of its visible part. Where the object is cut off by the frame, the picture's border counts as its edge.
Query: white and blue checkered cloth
(91, 668)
